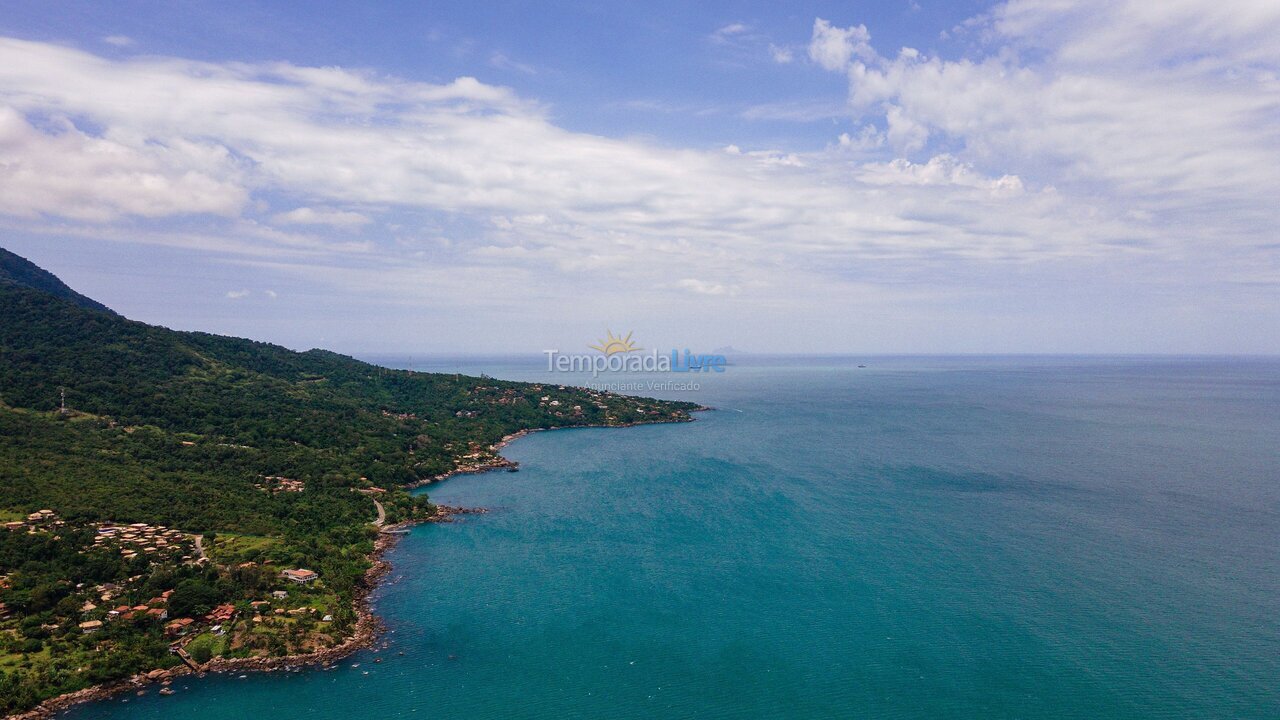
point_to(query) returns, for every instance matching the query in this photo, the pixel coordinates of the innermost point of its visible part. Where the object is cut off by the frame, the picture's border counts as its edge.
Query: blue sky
(1024, 176)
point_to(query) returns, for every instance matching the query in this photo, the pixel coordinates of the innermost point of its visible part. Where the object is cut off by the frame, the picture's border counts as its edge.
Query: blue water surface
(918, 538)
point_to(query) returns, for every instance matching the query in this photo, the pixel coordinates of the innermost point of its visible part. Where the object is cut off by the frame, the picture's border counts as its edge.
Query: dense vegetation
(184, 430)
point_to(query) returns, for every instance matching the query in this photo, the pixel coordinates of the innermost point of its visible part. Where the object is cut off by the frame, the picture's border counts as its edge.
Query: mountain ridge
(17, 270)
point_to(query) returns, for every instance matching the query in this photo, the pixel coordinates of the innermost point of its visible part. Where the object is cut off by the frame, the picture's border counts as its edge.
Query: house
(159, 614)
(178, 627)
(90, 626)
(279, 594)
(221, 614)
(302, 576)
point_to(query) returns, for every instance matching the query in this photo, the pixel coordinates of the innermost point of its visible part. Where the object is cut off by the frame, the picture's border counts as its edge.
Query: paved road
(382, 514)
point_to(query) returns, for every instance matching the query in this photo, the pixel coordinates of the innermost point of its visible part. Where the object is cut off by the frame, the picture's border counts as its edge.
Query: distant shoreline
(501, 463)
(368, 624)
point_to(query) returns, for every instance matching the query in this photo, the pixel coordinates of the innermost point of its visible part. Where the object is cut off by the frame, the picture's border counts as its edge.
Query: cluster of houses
(155, 609)
(546, 401)
(156, 541)
(160, 542)
(275, 483)
(506, 396)
(37, 521)
(216, 618)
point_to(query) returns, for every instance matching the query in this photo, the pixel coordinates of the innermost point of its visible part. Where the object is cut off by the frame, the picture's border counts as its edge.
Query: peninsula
(173, 501)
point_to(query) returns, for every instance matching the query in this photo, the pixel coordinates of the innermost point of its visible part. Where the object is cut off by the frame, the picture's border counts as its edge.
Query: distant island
(180, 501)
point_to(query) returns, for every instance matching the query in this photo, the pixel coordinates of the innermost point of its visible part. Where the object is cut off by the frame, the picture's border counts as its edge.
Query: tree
(192, 598)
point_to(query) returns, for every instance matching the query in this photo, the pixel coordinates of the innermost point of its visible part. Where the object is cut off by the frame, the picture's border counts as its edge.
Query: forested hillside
(256, 449)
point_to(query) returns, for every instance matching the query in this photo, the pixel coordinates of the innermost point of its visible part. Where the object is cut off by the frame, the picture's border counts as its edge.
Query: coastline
(368, 624)
(501, 463)
(366, 631)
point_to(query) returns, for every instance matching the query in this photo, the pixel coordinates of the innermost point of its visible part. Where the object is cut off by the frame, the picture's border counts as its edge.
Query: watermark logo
(620, 354)
(612, 345)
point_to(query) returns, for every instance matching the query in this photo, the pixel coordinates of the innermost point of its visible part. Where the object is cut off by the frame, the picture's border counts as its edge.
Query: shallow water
(921, 538)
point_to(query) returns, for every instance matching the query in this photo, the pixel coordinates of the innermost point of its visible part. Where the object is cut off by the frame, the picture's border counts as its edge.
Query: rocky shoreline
(367, 627)
(501, 463)
(366, 630)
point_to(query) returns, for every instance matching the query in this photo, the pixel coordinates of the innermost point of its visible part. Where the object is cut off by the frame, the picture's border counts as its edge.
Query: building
(302, 576)
(178, 627)
(90, 626)
(221, 614)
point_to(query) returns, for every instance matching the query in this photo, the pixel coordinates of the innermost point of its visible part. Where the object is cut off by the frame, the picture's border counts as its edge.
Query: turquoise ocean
(968, 537)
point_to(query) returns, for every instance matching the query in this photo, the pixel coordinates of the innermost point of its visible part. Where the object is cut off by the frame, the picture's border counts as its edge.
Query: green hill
(191, 431)
(17, 270)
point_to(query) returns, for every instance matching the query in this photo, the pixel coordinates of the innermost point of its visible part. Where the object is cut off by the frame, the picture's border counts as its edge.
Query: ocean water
(920, 538)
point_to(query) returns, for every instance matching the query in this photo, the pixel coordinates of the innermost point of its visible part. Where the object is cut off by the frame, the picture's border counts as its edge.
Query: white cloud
(60, 170)
(1168, 108)
(939, 170)
(702, 287)
(905, 132)
(781, 55)
(833, 48)
(502, 62)
(725, 33)
(335, 137)
(238, 294)
(955, 172)
(321, 216)
(118, 40)
(867, 138)
(741, 45)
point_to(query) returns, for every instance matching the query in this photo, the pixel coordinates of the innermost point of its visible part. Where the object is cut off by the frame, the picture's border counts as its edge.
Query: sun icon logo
(613, 345)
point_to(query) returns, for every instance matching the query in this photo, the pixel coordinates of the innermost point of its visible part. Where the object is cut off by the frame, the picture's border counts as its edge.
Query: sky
(1030, 176)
